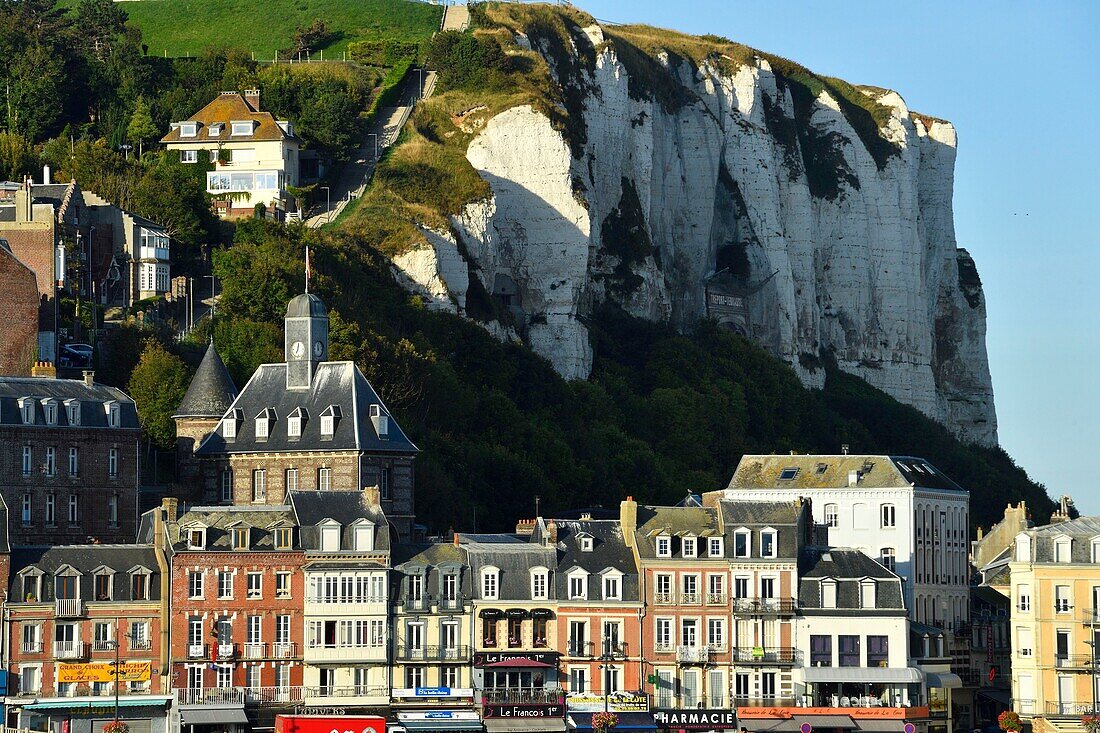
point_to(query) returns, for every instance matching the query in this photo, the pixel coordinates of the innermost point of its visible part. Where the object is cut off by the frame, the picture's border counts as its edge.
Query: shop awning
(212, 716)
(758, 725)
(627, 721)
(96, 702)
(943, 679)
(792, 725)
(863, 674)
(542, 613)
(490, 613)
(517, 613)
(442, 724)
(527, 725)
(519, 662)
(875, 725)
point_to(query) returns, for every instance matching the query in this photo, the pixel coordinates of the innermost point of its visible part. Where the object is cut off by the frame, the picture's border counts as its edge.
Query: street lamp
(126, 148)
(115, 644)
(328, 203)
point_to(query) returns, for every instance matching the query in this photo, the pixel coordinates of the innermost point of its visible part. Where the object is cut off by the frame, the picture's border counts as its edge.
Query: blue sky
(1019, 82)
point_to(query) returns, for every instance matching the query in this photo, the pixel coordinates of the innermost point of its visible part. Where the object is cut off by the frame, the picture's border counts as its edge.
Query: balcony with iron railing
(1090, 616)
(664, 599)
(522, 696)
(289, 695)
(451, 604)
(776, 655)
(432, 653)
(262, 650)
(32, 647)
(226, 650)
(68, 607)
(322, 652)
(717, 599)
(418, 604)
(198, 651)
(70, 650)
(1025, 707)
(689, 599)
(1073, 661)
(579, 648)
(693, 654)
(765, 606)
(663, 647)
(1066, 709)
(140, 645)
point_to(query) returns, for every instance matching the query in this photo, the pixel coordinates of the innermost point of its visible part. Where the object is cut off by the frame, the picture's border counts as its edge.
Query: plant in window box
(1009, 721)
(604, 722)
(31, 598)
(116, 726)
(1091, 723)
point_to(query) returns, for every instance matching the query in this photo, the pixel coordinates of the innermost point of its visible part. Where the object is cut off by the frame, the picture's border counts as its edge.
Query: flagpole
(307, 268)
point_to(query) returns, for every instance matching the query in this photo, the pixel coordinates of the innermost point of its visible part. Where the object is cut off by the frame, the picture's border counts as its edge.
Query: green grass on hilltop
(187, 27)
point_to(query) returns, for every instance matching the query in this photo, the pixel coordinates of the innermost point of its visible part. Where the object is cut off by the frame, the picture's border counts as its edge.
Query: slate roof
(1081, 530)
(92, 402)
(848, 567)
(346, 507)
(431, 560)
(211, 391)
(831, 472)
(514, 556)
(220, 521)
(608, 551)
(674, 521)
(722, 520)
(306, 305)
(229, 107)
(338, 383)
(86, 559)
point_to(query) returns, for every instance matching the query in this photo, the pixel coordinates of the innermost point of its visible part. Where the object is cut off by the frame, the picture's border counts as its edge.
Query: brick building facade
(19, 300)
(69, 461)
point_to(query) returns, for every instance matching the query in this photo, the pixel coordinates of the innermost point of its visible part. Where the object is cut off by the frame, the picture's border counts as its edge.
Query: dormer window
(101, 580)
(1023, 548)
(139, 584)
(72, 412)
(26, 409)
(381, 421)
(264, 421)
(578, 585)
(330, 536)
(32, 586)
(1063, 549)
(49, 411)
(242, 128)
(715, 547)
(363, 535)
(540, 583)
(490, 583)
(828, 593)
(587, 542)
(867, 594)
(687, 546)
(612, 585)
(664, 546)
(230, 423)
(742, 543)
(189, 129)
(768, 543)
(329, 418)
(240, 538)
(215, 129)
(196, 538)
(284, 538)
(295, 421)
(113, 417)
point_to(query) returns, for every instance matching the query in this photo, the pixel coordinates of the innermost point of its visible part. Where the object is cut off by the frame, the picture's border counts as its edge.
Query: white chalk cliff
(858, 263)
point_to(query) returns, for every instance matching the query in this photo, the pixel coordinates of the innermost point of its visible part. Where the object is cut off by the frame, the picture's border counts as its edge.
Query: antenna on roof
(844, 449)
(538, 499)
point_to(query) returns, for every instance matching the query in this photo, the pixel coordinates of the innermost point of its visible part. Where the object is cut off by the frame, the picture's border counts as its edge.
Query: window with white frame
(716, 633)
(28, 460)
(828, 593)
(291, 478)
(49, 411)
(687, 547)
(1023, 598)
(662, 588)
(1063, 549)
(539, 584)
(189, 129)
(330, 537)
(364, 537)
(1023, 548)
(490, 577)
(1095, 552)
(578, 679)
(195, 584)
(664, 546)
(26, 407)
(225, 584)
(587, 543)
(282, 584)
(241, 128)
(259, 485)
(663, 633)
(1063, 599)
(715, 547)
(768, 543)
(1025, 642)
(255, 585)
(578, 586)
(196, 538)
(26, 509)
(612, 587)
(112, 463)
(832, 515)
(189, 156)
(889, 515)
(51, 510)
(74, 509)
(742, 543)
(74, 461)
(888, 559)
(867, 594)
(241, 538)
(72, 408)
(324, 479)
(227, 484)
(51, 461)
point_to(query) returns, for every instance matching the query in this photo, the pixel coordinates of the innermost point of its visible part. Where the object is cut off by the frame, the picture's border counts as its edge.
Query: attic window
(229, 424)
(330, 537)
(284, 537)
(242, 128)
(328, 421)
(867, 594)
(364, 537)
(687, 547)
(26, 407)
(789, 474)
(196, 538)
(294, 422)
(664, 546)
(263, 423)
(49, 411)
(112, 410)
(189, 129)
(820, 468)
(381, 421)
(72, 411)
(215, 129)
(828, 593)
(586, 544)
(240, 538)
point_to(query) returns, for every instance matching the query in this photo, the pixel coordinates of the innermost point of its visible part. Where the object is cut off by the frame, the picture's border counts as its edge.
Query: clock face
(318, 348)
(298, 350)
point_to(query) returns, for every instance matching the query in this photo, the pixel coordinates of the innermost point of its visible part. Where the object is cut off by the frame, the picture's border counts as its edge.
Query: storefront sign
(329, 724)
(695, 719)
(483, 658)
(862, 713)
(438, 715)
(524, 711)
(434, 692)
(104, 672)
(618, 703)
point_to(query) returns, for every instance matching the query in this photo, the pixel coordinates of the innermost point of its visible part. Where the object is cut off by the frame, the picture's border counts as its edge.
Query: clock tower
(306, 339)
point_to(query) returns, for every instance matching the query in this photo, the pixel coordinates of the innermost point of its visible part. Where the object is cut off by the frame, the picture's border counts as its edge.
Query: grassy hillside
(187, 27)
(662, 415)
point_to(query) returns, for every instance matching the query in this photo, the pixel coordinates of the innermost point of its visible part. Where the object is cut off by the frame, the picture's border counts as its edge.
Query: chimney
(46, 174)
(628, 519)
(525, 527)
(171, 507)
(552, 532)
(456, 539)
(252, 98)
(89, 378)
(44, 370)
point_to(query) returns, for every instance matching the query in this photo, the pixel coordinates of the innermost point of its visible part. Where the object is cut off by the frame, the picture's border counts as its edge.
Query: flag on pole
(307, 269)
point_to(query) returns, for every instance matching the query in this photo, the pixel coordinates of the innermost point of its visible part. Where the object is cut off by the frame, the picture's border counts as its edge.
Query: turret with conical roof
(208, 397)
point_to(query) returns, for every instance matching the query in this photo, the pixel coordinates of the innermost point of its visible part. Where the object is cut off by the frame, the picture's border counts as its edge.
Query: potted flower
(1091, 723)
(603, 722)
(116, 726)
(1009, 721)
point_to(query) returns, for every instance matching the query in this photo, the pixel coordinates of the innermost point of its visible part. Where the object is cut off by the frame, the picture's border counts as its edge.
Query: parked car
(74, 356)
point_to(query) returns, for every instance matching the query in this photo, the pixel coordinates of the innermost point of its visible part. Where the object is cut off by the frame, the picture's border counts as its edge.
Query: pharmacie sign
(695, 719)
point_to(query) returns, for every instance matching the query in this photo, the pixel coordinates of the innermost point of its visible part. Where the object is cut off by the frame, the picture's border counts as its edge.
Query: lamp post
(1092, 670)
(115, 643)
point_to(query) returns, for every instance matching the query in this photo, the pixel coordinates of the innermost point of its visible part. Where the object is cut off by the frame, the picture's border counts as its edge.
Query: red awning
(519, 662)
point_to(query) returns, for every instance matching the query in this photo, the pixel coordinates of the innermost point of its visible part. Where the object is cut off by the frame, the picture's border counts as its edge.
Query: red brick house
(19, 301)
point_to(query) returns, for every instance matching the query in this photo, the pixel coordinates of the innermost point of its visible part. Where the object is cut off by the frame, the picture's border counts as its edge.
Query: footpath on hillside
(356, 174)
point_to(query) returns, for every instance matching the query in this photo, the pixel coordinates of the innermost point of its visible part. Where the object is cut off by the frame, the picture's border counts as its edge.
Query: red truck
(329, 724)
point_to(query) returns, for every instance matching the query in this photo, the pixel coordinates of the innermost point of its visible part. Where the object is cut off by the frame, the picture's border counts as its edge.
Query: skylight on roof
(789, 474)
(820, 468)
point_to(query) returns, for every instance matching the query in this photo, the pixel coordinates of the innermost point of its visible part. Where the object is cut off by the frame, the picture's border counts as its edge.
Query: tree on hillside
(157, 385)
(17, 157)
(36, 92)
(141, 127)
(100, 23)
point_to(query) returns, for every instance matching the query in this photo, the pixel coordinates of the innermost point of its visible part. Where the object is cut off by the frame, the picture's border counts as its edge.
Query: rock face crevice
(852, 251)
